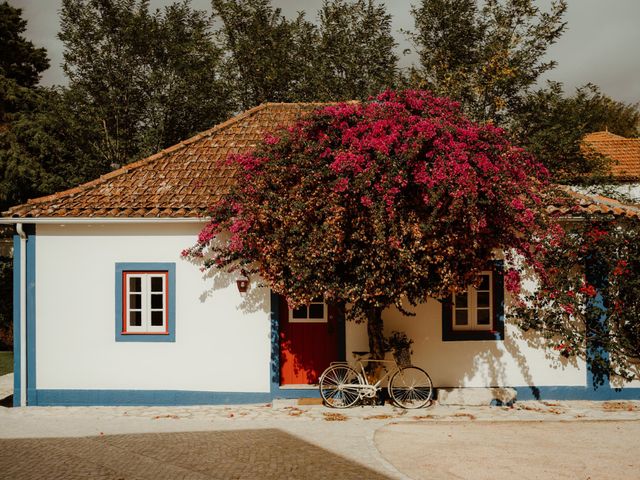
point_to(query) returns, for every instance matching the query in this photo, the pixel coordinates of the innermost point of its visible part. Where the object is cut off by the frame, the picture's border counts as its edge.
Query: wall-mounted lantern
(243, 283)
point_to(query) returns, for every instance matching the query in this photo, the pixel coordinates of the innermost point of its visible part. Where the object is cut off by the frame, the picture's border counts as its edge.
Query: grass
(6, 362)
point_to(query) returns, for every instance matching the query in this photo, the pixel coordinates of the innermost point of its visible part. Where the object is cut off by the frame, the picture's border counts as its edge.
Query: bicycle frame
(358, 366)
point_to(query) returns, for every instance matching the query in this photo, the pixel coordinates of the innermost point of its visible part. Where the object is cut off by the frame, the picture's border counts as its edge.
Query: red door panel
(306, 349)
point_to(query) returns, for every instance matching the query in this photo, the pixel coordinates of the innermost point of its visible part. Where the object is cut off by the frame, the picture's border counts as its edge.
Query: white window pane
(461, 300)
(135, 284)
(485, 282)
(135, 318)
(316, 310)
(484, 317)
(157, 301)
(157, 284)
(157, 318)
(462, 317)
(483, 299)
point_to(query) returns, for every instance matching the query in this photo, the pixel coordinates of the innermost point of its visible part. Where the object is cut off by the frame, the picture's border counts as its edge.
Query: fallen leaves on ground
(334, 417)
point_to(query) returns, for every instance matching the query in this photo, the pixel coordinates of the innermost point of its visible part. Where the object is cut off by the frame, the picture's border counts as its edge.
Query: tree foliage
(552, 126)
(348, 55)
(377, 203)
(152, 79)
(356, 57)
(20, 60)
(587, 304)
(486, 54)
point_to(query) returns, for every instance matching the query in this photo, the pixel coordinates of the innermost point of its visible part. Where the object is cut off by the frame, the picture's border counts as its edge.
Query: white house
(108, 313)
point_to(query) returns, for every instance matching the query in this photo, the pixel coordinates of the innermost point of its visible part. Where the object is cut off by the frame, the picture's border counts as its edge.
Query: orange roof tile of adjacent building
(180, 181)
(624, 152)
(584, 204)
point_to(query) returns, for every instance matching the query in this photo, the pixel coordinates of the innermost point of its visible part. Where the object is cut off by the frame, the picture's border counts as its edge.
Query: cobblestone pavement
(253, 441)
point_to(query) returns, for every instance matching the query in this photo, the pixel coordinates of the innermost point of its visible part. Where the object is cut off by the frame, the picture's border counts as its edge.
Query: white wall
(222, 339)
(516, 361)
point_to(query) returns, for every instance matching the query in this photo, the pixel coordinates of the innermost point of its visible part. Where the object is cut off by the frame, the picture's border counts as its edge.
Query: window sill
(471, 335)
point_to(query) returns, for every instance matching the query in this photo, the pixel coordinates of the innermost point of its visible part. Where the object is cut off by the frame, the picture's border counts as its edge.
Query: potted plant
(400, 345)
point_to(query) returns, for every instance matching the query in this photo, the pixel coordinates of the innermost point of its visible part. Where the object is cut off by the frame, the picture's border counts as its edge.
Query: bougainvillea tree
(587, 303)
(375, 204)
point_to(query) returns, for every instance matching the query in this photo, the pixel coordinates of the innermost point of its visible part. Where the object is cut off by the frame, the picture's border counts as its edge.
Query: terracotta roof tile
(184, 179)
(625, 152)
(180, 181)
(592, 204)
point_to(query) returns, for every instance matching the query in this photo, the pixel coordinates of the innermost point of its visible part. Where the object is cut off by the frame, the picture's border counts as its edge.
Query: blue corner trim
(32, 394)
(141, 266)
(275, 344)
(451, 335)
(16, 321)
(576, 393)
(146, 397)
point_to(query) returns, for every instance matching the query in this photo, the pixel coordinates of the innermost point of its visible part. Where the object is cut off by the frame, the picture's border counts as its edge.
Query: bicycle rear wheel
(340, 386)
(411, 387)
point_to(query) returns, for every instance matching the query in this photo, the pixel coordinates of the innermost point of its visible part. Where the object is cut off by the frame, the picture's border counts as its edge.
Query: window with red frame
(145, 302)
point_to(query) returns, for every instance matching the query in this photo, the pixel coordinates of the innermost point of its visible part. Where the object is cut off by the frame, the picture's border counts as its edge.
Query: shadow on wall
(254, 300)
(267, 453)
(518, 359)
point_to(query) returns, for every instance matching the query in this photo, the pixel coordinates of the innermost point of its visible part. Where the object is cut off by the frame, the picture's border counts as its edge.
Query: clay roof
(581, 203)
(625, 152)
(180, 181)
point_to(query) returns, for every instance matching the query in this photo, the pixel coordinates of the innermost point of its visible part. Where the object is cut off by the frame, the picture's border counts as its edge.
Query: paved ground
(508, 450)
(533, 439)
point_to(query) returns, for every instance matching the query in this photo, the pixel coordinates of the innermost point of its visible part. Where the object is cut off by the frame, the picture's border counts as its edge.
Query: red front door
(308, 342)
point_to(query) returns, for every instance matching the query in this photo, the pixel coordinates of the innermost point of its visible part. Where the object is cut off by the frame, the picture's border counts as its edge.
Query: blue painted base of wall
(146, 397)
(576, 393)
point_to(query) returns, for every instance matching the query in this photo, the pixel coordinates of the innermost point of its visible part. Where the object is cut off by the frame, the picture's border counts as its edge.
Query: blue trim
(146, 397)
(32, 394)
(140, 266)
(17, 274)
(451, 335)
(275, 389)
(576, 393)
(598, 276)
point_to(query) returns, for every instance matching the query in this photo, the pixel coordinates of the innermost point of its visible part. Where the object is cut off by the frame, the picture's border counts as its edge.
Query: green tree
(348, 55)
(51, 144)
(552, 125)
(486, 55)
(269, 58)
(356, 56)
(20, 60)
(151, 78)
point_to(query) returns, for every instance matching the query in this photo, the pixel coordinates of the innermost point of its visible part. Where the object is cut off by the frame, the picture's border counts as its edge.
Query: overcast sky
(601, 44)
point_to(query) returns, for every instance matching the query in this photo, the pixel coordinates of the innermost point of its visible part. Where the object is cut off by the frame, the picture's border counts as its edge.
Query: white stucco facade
(515, 361)
(222, 339)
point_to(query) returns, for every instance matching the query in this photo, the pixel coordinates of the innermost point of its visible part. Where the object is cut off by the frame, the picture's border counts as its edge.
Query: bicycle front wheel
(411, 387)
(340, 386)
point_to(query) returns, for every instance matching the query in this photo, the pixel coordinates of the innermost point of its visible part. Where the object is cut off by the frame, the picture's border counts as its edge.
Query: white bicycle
(343, 386)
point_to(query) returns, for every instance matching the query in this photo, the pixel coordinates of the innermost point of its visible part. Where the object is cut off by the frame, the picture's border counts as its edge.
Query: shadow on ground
(241, 454)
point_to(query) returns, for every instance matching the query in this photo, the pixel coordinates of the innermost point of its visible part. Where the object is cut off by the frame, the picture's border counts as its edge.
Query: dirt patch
(334, 417)
(619, 406)
(377, 417)
(464, 415)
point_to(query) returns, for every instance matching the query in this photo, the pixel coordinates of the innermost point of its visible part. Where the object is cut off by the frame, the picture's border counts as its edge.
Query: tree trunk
(376, 333)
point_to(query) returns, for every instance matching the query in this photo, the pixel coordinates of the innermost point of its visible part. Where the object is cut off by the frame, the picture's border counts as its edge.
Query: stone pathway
(251, 441)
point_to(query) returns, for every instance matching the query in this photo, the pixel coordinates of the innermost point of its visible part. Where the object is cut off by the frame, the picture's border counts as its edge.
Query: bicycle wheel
(340, 386)
(410, 387)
